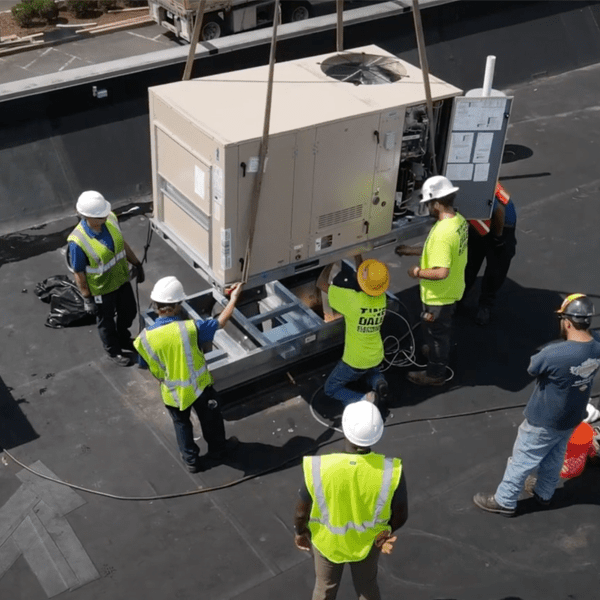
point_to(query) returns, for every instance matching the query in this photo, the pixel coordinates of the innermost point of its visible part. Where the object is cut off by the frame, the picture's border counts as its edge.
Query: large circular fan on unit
(363, 69)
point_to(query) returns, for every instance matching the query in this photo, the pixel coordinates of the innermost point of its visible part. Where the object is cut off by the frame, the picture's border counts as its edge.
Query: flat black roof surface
(67, 411)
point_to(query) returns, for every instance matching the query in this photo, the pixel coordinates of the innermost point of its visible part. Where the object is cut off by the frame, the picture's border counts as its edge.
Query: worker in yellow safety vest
(99, 255)
(170, 348)
(349, 505)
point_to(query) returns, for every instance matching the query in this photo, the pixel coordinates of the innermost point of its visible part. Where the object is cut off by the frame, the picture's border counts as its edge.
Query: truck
(222, 17)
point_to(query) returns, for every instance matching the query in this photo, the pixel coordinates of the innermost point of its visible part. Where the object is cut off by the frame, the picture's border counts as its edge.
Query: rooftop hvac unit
(345, 129)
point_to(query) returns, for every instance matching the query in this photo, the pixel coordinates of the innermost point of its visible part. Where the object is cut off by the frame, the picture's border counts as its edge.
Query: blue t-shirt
(79, 260)
(565, 374)
(206, 331)
(510, 214)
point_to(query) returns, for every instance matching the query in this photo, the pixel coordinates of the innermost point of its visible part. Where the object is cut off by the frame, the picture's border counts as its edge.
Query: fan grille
(363, 69)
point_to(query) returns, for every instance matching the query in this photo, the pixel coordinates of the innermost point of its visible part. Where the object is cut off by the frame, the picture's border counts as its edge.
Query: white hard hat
(362, 423)
(168, 290)
(93, 204)
(437, 187)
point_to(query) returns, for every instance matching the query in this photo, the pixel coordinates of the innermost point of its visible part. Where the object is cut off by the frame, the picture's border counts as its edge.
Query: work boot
(381, 394)
(421, 378)
(529, 485)
(489, 504)
(121, 360)
(370, 397)
(197, 466)
(483, 316)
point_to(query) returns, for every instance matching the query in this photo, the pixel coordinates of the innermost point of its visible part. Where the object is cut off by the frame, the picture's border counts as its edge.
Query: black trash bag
(66, 302)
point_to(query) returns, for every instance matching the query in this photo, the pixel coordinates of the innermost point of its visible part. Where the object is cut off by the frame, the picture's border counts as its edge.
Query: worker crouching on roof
(565, 374)
(99, 257)
(171, 350)
(350, 504)
(441, 276)
(362, 301)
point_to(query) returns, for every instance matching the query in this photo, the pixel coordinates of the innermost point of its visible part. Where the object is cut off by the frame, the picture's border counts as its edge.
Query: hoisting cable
(340, 26)
(264, 148)
(425, 70)
(189, 63)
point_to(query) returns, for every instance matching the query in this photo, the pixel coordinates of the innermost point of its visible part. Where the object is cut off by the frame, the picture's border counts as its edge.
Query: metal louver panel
(341, 216)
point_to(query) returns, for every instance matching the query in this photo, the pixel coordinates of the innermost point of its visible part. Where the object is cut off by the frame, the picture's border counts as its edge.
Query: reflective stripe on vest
(501, 194)
(176, 392)
(481, 226)
(388, 468)
(352, 496)
(103, 274)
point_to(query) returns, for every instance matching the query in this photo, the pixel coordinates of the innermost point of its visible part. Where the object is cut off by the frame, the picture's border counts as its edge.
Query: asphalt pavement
(68, 412)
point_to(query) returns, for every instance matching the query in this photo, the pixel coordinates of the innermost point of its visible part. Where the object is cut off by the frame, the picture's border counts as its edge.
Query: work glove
(138, 273)
(90, 307)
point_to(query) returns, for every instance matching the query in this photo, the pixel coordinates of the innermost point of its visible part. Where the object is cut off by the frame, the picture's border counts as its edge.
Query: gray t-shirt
(565, 374)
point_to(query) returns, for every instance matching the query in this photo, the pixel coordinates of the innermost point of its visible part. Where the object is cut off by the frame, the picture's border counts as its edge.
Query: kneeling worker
(350, 504)
(171, 350)
(362, 301)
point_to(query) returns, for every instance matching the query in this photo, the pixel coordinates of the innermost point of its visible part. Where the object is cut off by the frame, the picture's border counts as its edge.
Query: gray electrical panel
(474, 151)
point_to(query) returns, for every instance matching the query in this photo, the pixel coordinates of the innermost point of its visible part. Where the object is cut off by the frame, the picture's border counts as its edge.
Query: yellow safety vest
(352, 499)
(174, 358)
(107, 271)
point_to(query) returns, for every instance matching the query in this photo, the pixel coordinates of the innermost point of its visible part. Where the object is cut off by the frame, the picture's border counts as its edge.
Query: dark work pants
(498, 259)
(211, 422)
(364, 576)
(436, 335)
(114, 333)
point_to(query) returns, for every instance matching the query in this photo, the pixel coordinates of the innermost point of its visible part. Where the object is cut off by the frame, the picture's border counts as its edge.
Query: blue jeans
(541, 447)
(342, 374)
(211, 422)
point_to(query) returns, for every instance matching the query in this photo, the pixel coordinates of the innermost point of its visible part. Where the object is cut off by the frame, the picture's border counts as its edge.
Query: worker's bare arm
(302, 537)
(81, 281)
(234, 292)
(400, 505)
(323, 280)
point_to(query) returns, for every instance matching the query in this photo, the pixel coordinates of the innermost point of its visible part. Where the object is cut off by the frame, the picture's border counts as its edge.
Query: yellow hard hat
(373, 277)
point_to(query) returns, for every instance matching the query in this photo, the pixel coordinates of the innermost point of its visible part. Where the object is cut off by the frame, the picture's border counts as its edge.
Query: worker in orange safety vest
(494, 241)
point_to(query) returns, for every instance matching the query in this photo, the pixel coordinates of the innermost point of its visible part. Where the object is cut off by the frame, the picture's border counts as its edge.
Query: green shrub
(46, 9)
(107, 5)
(24, 13)
(82, 7)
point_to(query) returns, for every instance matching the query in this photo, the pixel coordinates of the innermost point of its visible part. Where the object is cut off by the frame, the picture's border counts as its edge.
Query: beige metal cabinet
(329, 181)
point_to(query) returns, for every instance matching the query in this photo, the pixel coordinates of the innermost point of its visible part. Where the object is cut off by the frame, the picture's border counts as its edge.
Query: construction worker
(441, 276)
(361, 299)
(565, 374)
(170, 348)
(495, 242)
(99, 256)
(350, 504)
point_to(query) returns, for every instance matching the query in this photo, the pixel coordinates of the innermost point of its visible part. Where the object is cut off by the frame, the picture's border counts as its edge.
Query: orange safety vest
(482, 226)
